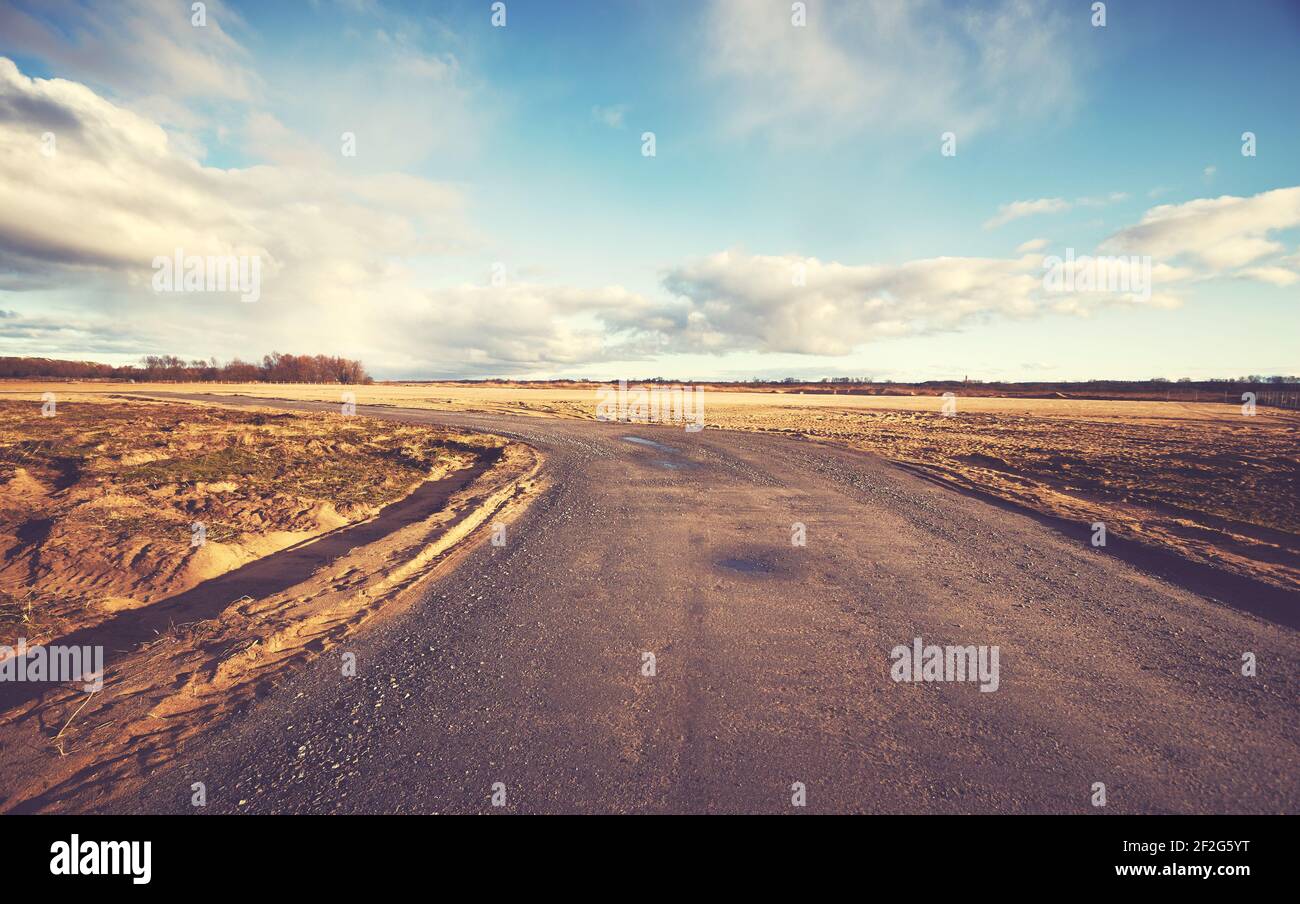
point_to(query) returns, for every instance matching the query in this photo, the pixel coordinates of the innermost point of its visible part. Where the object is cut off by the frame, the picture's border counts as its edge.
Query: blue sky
(779, 150)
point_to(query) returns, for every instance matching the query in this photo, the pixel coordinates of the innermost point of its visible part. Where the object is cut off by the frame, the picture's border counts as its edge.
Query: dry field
(1200, 480)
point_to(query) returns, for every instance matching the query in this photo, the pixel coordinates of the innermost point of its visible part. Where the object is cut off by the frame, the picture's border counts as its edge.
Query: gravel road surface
(525, 665)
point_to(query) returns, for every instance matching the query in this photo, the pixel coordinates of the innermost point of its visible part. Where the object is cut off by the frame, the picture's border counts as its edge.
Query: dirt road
(772, 661)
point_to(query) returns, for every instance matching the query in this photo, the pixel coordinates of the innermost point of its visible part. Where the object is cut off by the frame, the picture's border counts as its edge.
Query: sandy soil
(100, 502)
(315, 523)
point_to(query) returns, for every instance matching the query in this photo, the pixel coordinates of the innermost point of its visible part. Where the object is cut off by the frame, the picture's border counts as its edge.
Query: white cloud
(406, 104)
(346, 252)
(733, 300)
(1017, 209)
(784, 303)
(142, 49)
(347, 243)
(1217, 233)
(117, 192)
(862, 63)
(146, 56)
(1274, 276)
(519, 327)
(340, 250)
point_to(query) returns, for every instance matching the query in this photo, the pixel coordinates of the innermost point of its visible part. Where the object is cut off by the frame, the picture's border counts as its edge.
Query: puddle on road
(651, 443)
(747, 566)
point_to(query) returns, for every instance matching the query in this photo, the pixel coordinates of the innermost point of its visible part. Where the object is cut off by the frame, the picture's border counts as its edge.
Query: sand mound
(113, 505)
(23, 489)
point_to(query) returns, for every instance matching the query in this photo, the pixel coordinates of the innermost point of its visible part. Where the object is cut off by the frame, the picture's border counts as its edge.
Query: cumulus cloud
(340, 251)
(344, 255)
(1219, 234)
(527, 327)
(346, 245)
(115, 192)
(90, 333)
(785, 303)
(860, 63)
(147, 56)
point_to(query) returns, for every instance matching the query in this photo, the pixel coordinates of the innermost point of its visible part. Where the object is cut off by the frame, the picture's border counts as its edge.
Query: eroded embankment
(112, 507)
(182, 664)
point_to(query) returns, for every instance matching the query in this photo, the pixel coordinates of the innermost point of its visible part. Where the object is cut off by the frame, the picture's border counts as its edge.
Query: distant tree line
(275, 368)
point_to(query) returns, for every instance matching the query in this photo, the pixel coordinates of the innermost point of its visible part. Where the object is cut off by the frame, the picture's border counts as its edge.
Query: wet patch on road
(651, 443)
(674, 465)
(760, 562)
(750, 565)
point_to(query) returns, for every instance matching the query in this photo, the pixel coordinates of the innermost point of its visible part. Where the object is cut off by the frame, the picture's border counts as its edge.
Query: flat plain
(1200, 481)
